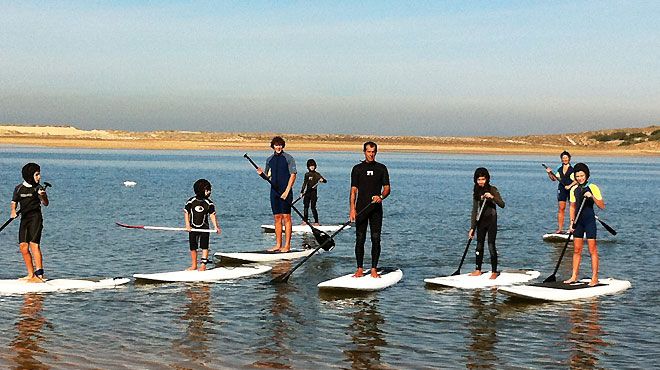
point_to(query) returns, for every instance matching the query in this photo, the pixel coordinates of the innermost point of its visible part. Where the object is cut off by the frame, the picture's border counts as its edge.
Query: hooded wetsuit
(199, 209)
(487, 225)
(309, 199)
(586, 222)
(27, 196)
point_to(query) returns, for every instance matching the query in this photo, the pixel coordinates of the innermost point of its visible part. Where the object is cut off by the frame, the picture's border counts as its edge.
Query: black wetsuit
(31, 218)
(369, 178)
(487, 225)
(198, 210)
(309, 199)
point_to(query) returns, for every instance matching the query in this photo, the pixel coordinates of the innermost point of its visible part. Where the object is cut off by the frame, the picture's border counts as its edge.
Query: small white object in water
(130, 184)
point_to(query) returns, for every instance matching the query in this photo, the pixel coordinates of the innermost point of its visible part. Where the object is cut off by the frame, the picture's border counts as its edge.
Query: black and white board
(305, 229)
(559, 291)
(388, 277)
(215, 274)
(18, 286)
(262, 256)
(556, 237)
(465, 281)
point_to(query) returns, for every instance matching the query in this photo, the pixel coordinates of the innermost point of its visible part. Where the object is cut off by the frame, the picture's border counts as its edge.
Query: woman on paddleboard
(197, 211)
(585, 224)
(483, 191)
(308, 190)
(30, 195)
(565, 176)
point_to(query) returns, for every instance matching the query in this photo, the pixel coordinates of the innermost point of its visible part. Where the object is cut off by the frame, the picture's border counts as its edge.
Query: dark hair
(371, 144)
(277, 140)
(565, 153)
(28, 172)
(311, 162)
(581, 167)
(200, 187)
(478, 191)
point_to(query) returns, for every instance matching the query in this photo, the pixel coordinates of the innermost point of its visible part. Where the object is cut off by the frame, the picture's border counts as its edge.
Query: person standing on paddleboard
(565, 175)
(370, 183)
(485, 192)
(30, 195)
(281, 170)
(196, 213)
(310, 196)
(585, 225)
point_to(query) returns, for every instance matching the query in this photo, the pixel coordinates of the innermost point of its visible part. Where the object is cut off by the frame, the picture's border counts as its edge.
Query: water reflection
(482, 327)
(276, 350)
(585, 338)
(366, 336)
(195, 344)
(29, 336)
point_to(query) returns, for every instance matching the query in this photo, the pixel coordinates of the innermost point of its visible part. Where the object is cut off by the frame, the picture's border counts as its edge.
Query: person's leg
(593, 251)
(27, 257)
(360, 237)
(315, 213)
(492, 250)
(375, 226)
(306, 202)
(577, 258)
(204, 244)
(561, 211)
(35, 250)
(286, 219)
(277, 222)
(479, 250)
(193, 244)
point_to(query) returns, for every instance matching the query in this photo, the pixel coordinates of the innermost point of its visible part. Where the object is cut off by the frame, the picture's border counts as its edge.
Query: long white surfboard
(556, 237)
(262, 256)
(558, 291)
(388, 277)
(305, 229)
(16, 286)
(465, 281)
(218, 273)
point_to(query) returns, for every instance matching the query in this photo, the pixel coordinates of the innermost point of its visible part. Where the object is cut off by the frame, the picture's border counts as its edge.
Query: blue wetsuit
(586, 222)
(279, 168)
(564, 179)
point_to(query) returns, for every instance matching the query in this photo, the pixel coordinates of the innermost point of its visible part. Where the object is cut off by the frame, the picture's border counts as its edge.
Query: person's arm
(289, 186)
(214, 219)
(550, 174)
(352, 213)
(383, 195)
(595, 194)
(186, 219)
(265, 173)
(571, 213)
(43, 197)
(322, 179)
(13, 213)
(304, 185)
(496, 197)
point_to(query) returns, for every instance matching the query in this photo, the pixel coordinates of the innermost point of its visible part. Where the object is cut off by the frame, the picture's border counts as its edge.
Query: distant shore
(612, 142)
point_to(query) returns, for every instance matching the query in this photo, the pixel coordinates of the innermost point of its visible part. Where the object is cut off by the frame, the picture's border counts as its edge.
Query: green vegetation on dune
(627, 138)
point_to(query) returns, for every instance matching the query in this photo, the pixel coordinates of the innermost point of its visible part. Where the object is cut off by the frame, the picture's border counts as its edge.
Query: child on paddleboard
(563, 174)
(585, 224)
(310, 196)
(485, 192)
(197, 211)
(30, 195)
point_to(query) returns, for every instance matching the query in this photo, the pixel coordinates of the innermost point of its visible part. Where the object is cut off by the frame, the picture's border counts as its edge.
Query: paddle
(458, 271)
(210, 231)
(46, 185)
(552, 278)
(606, 226)
(321, 237)
(285, 277)
(552, 175)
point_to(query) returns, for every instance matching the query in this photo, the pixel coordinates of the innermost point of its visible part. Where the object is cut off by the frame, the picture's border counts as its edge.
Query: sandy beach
(642, 142)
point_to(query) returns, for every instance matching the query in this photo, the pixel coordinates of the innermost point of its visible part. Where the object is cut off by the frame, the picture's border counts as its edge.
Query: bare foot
(374, 273)
(358, 273)
(570, 281)
(285, 249)
(35, 279)
(191, 268)
(274, 249)
(475, 273)
(494, 275)
(559, 231)
(27, 277)
(593, 282)
(316, 224)
(303, 223)
(202, 267)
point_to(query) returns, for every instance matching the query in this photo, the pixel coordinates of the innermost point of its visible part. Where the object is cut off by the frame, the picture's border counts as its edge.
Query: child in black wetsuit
(197, 212)
(485, 192)
(30, 195)
(312, 178)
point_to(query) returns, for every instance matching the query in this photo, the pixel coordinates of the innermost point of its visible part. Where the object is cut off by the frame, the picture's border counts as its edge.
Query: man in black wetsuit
(370, 183)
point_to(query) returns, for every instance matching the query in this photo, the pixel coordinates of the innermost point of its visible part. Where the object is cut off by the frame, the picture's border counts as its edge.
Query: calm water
(250, 324)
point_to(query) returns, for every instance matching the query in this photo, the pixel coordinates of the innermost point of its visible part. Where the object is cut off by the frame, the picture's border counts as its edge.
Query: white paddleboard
(218, 273)
(558, 291)
(556, 237)
(465, 281)
(16, 286)
(305, 229)
(263, 256)
(388, 277)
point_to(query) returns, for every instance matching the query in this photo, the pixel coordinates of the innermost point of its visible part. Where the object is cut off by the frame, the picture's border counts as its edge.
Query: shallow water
(251, 324)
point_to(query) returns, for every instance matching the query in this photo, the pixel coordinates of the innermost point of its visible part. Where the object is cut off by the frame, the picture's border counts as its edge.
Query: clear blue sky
(369, 67)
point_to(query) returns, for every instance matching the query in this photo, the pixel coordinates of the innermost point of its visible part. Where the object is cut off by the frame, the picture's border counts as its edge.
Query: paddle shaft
(552, 277)
(164, 228)
(318, 234)
(467, 246)
(285, 277)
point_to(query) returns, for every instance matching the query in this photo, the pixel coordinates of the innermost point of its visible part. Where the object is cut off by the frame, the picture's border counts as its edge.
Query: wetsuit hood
(482, 172)
(581, 167)
(200, 186)
(311, 162)
(28, 173)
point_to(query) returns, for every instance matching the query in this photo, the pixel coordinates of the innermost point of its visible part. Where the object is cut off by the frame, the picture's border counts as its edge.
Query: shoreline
(576, 143)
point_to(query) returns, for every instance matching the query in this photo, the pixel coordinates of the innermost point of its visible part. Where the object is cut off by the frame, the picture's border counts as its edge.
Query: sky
(422, 68)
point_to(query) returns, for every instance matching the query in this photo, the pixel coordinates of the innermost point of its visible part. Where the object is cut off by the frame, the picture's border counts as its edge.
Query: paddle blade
(606, 226)
(281, 279)
(324, 240)
(550, 279)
